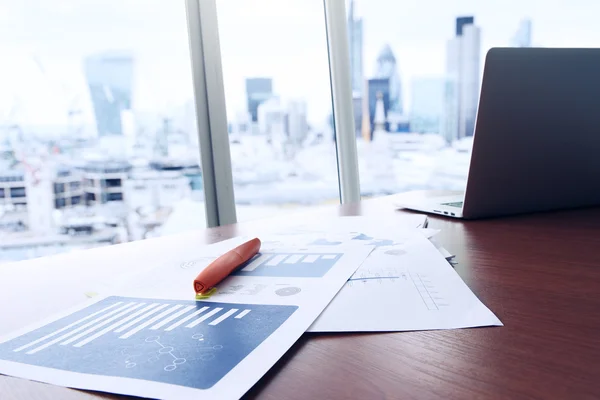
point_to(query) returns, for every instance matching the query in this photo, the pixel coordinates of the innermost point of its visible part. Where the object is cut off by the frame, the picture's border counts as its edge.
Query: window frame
(211, 114)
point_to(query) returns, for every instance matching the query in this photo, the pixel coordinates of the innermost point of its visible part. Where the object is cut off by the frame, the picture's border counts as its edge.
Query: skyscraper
(355, 44)
(297, 121)
(388, 69)
(522, 37)
(462, 88)
(110, 79)
(258, 90)
(378, 88)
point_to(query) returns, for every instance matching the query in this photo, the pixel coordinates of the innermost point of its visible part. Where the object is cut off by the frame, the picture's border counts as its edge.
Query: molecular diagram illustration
(208, 355)
(163, 351)
(204, 352)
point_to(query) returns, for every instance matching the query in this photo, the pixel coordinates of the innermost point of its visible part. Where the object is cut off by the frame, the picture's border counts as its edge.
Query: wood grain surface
(539, 273)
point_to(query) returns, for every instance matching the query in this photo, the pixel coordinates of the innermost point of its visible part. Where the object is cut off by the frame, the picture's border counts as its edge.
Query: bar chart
(188, 343)
(301, 265)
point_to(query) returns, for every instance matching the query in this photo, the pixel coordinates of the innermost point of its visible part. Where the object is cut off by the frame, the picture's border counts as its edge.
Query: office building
(522, 37)
(387, 68)
(297, 123)
(398, 123)
(67, 187)
(241, 124)
(462, 89)
(49, 187)
(104, 181)
(156, 189)
(461, 22)
(109, 78)
(427, 104)
(12, 188)
(258, 90)
(283, 121)
(355, 47)
(377, 87)
(365, 126)
(29, 197)
(161, 140)
(63, 183)
(379, 117)
(189, 168)
(272, 118)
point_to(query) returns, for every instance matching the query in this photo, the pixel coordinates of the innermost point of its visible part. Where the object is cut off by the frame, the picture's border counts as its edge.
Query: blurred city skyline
(59, 34)
(112, 79)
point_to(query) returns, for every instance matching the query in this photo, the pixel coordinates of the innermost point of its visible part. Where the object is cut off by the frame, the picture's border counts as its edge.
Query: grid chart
(300, 265)
(187, 343)
(427, 291)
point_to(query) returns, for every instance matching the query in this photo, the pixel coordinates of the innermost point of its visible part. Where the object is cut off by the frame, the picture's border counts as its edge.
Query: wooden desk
(540, 274)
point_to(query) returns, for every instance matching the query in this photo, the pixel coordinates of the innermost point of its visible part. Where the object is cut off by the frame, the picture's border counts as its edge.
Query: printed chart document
(405, 284)
(403, 287)
(151, 338)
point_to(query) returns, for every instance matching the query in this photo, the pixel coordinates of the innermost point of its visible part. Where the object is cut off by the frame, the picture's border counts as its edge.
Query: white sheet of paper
(445, 253)
(150, 339)
(55, 283)
(403, 288)
(355, 229)
(372, 303)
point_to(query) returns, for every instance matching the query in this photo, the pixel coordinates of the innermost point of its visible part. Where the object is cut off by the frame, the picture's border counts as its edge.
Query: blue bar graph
(187, 343)
(300, 265)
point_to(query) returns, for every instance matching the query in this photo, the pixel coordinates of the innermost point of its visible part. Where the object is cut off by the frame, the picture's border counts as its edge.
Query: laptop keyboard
(454, 204)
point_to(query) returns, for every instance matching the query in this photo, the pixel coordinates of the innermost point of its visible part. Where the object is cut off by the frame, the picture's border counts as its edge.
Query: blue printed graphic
(373, 241)
(325, 242)
(187, 343)
(302, 265)
(382, 242)
(361, 236)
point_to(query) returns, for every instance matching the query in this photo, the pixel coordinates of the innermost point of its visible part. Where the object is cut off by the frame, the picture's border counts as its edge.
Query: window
(117, 104)
(17, 192)
(277, 92)
(114, 197)
(109, 89)
(112, 183)
(59, 188)
(420, 77)
(1, 193)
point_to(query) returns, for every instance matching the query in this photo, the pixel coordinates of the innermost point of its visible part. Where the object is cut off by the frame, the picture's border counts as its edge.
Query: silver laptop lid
(537, 135)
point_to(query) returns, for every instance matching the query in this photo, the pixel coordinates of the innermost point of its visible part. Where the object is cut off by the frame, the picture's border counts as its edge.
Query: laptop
(536, 145)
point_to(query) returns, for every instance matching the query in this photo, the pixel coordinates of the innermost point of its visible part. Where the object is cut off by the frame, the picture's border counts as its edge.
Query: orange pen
(223, 266)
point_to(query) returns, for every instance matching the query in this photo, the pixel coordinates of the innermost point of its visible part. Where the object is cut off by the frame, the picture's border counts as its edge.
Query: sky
(43, 42)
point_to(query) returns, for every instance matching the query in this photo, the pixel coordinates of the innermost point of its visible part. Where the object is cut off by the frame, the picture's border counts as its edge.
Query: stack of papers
(145, 335)
(406, 283)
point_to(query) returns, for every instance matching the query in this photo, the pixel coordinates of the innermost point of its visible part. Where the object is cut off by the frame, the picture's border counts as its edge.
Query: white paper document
(351, 230)
(404, 287)
(151, 338)
(405, 284)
